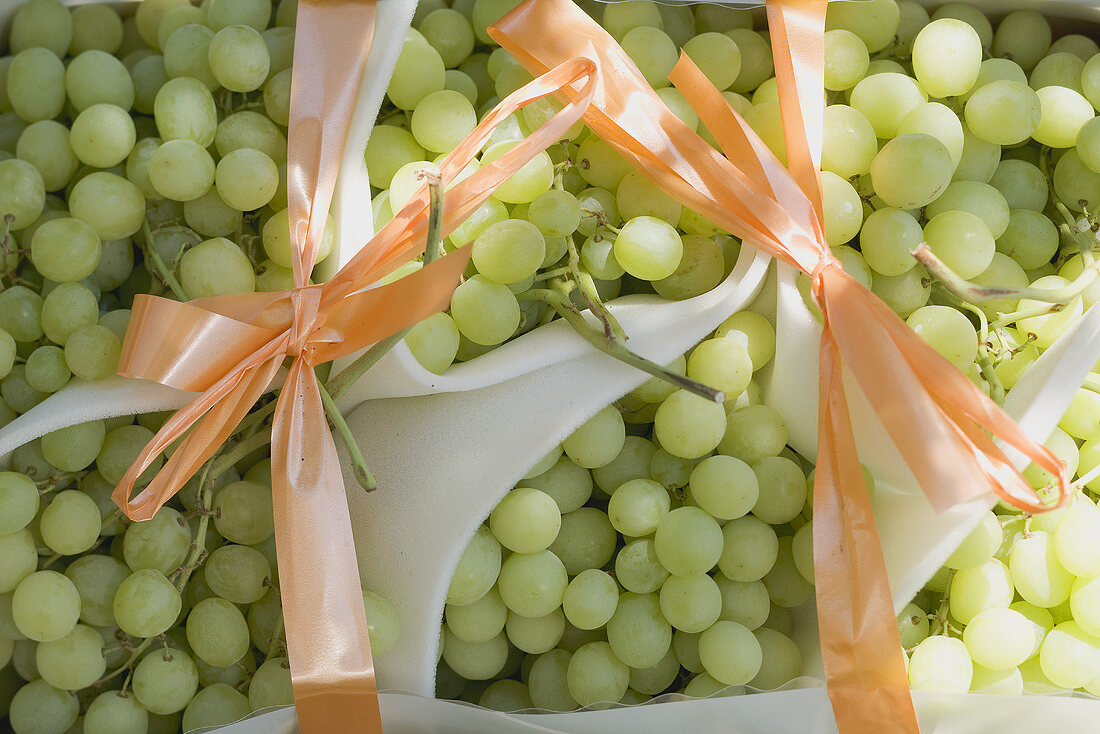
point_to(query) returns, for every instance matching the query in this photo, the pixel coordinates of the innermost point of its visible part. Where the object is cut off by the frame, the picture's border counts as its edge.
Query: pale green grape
(1075, 184)
(489, 213)
(721, 363)
(753, 433)
(239, 58)
(999, 638)
(149, 75)
(782, 490)
(1024, 36)
(752, 331)
(937, 120)
(449, 32)
(277, 243)
(637, 506)
(997, 682)
(243, 513)
(70, 523)
(996, 70)
(885, 99)
(97, 579)
(509, 251)
(475, 661)
(383, 622)
(1074, 43)
(246, 178)
(535, 635)
(730, 653)
(36, 84)
(886, 240)
(598, 258)
(912, 626)
(1090, 80)
(982, 200)
(1064, 113)
(65, 249)
(113, 712)
(248, 129)
(1048, 327)
(525, 185)
(875, 22)
(941, 664)
(102, 135)
(39, 707)
(971, 16)
(691, 603)
(598, 440)
(181, 170)
(45, 145)
(1070, 657)
(567, 483)
(766, 120)
(47, 371)
(112, 205)
(701, 268)
(586, 540)
(1058, 69)
(477, 570)
(146, 603)
(441, 120)
(688, 425)
(802, 549)
(849, 143)
(1030, 239)
(270, 685)
(254, 13)
(988, 586)
(977, 547)
(947, 55)
(911, 171)
(547, 681)
(653, 52)
(638, 633)
(165, 682)
(637, 196)
(637, 567)
(92, 352)
(506, 695)
(238, 573)
(41, 23)
(216, 267)
(688, 541)
(120, 447)
(725, 487)
(184, 110)
(7, 355)
(648, 248)
(19, 558)
(606, 168)
(596, 674)
(45, 606)
(485, 312)
(590, 599)
(947, 331)
(526, 520)
(74, 661)
(18, 501)
(846, 59)
(961, 240)
(787, 586)
(1077, 539)
(556, 213)
(532, 585)
(979, 159)
(217, 632)
(780, 660)
(843, 209)
(216, 705)
(479, 621)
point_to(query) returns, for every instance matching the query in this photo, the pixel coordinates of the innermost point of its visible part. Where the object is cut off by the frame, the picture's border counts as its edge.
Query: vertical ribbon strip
(942, 424)
(231, 348)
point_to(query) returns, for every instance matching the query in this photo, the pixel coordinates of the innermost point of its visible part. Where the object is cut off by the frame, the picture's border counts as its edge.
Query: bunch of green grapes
(137, 155)
(660, 548)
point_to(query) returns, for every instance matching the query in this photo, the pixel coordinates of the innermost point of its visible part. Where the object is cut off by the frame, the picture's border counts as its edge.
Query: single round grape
(39, 707)
(912, 626)
(886, 240)
(1075, 184)
(653, 52)
(941, 664)
(475, 661)
(102, 135)
(637, 567)
(1022, 184)
(637, 506)
(535, 635)
(47, 371)
(730, 653)
(277, 241)
(688, 541)
(388, 149)
(18, 501)
(547, 681)
(701, 269)
(648, 248)
(181, 170)
(184, 109)
(19, 560)
(911, 171)
(243, 512)
(246, 179)
(449, 33)
(73, 662)
(477, 570)
(947, 331)
(780, 660)
(1064, 113)
(248, 129)
(782, 490)
(590, 599)
(509, 251)
(41, 23)
(982, 200)
(45, 606)
(939, 121)
(239, 58)
(419, 72)
(114, 712)
(1068, 656)
(569, 484)
(112, 205)
(999, 639)
(533, 585)
(146, 604)
(165, 681)
(70, 523)
(691, 603)
(846, 59)
(974, 590)
(441, 120)
(1077, 539)
(979, 546)
(217, 632)
(525, 185)
(598, 440)
(216, 267)
(885, 99)
(36, 84)
(1004, 112)
(962, 241)
(638, 632)
(271, 685)
(1024, 36)
(717, 56)
(238, 573)
(92, 352)
(485, 312)
(688, 425)
(65, 249)
(383, 622)
(216, 705)
(750, 549)
(97, 578)
(595, 674)
(45, 145)
(753, 433)
(947, 56)
(526, 520)
(480, 621)
(849, 143)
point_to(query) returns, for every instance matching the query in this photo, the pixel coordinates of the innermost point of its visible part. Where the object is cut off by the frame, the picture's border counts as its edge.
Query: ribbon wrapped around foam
(943, 425)
(230, 348)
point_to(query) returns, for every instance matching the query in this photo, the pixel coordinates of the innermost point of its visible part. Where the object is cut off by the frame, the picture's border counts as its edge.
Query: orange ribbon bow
(231, 348)
(940, 421)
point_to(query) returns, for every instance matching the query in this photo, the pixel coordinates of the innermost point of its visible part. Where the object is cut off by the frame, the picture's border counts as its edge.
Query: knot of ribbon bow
(942, 424)
(231, 349)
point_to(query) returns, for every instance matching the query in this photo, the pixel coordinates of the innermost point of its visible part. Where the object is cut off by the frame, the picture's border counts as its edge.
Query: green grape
(18, 501)
(621, 18)
(1058, 69)
(253, 13)
(591, 599)
(477, 570)
(175, 19)
(653, 52)
(36, 84)
(744, 602)
(449, 32)
(65, 249)
(997, 682)
(475, 661)
(113, 206)
(92, 352)
(217, 632)
(1077, 539)
(730, 653)
(1088, 144)
(216, 267)
(270, 685)
(1069, 657)
(586, 540)
(937, 120)
(846, 59)
(750, 549)
(526, 520)
(979, 546)
(246, 179)
(484, 311)
(22, 192)
(73, 662)
(691, 603)
(45, 606)
(969, 15)
(979, 159)
(39, 707)
(509, 251)
(875, 22)
(567, 483)
(70, 523)
(725, 487)
(595, 674)
(849, 143)
(1074, 43)
(982, 200)
(688, 541)
(184, 110)
(1024, 36)
(605, 169)
(1083, 599)
(149, 75)
(102, 135)
(17, 393)
(20, 558)
(689, 426)
(121, 447)
(912, 626)
(146, 603)
(535, 635)
(782, 490)
(911, 171)
(547, 681)
(886, 240)
(961, 240)
(598, 258)
(701, 269)
(237, 573)
(216, 705)
(532, 585)
(525, 185)
(239, 59)
(753, 433)
(556, 213)
(786, 585)
(210, 216)
(988, 586)
(941, 664)
(638, 633)
(41, 23)
(97, 578)
(947, 55)
(1075, 184)
(648, 248)
(74, 448)
(388, 149)
(637, 567)
(637, 506)
(480, 621)
(277, 244)
(947, 331)
(181, 170)
(7, 355)
(1064, 113)
(1048, 327)
(165, 681)
(441, 120)
(885, 99)
(243, 512)
(277, 97)
(114, 712)
(598, 440)
(780, 660)
(766, 120)
(248, 129)
(45, 145)
(999, 638)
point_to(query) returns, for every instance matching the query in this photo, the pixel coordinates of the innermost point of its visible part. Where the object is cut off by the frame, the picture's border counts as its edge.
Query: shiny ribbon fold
(943, 425)
(231, 348)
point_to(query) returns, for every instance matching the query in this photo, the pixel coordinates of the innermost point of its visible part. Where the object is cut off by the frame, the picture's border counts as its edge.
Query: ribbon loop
(307, 304)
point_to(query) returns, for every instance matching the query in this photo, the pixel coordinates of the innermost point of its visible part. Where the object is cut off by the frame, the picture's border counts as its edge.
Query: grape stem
(610, 345)
(347, 377)
(161, 270)
(939, 621)
(591, 296)
(363, 475)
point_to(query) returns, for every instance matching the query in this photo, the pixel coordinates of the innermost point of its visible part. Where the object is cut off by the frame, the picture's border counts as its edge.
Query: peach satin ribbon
(231, 348)
(942, 423)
